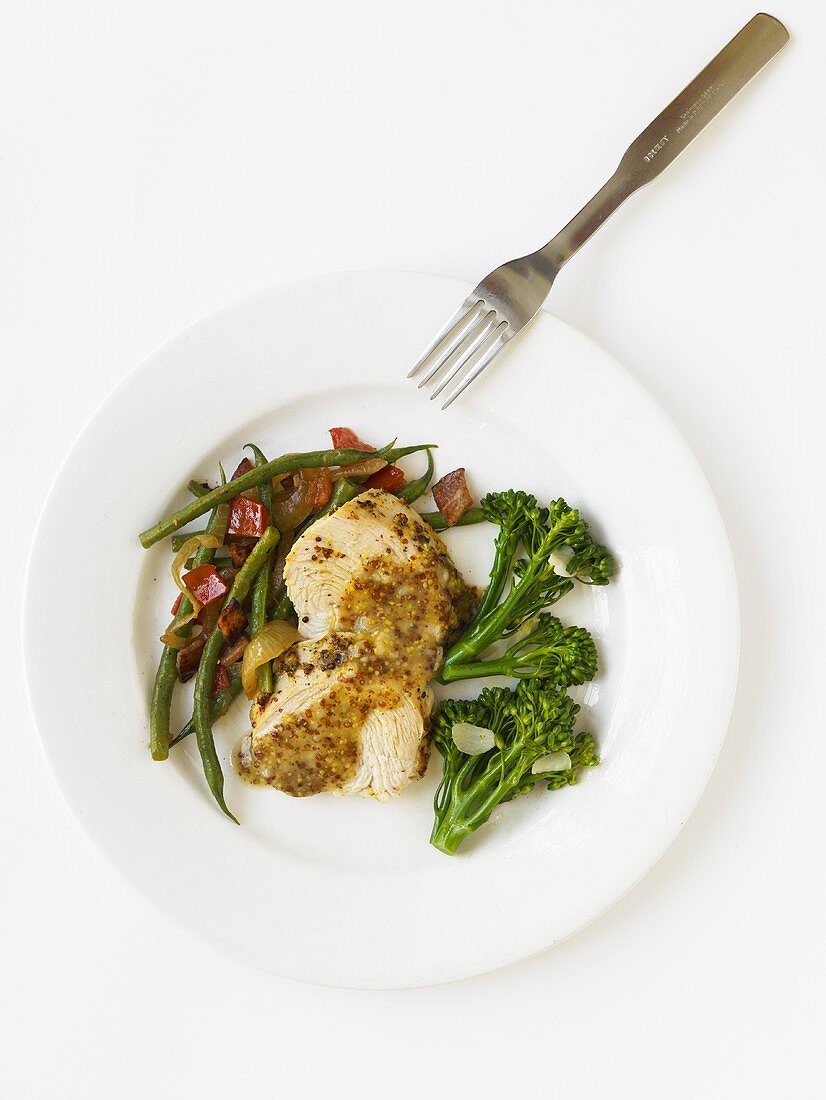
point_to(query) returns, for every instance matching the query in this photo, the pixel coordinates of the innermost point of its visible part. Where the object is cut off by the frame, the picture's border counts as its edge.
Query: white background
(160, 160)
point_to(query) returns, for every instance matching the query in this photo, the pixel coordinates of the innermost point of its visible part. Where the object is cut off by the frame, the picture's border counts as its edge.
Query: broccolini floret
(529, 723)
(538, 580)
(512, 634)
(564, 655)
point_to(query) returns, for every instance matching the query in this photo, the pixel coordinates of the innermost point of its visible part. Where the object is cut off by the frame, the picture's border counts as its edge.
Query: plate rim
(666, 839)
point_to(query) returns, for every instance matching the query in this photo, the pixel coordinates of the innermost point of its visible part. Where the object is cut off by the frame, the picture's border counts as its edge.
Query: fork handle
(670, 132)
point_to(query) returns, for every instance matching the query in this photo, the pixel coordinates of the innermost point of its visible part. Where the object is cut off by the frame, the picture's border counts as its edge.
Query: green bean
(178, 541)
(259, 474)
(258, 619)
(343, 490)
(167, 674)
(438, 522)
(197, 490)
(418, 488)
(258, 610)
(265, 487)
(209, 660)
(283, 606)
(161, 704)
(221, 702)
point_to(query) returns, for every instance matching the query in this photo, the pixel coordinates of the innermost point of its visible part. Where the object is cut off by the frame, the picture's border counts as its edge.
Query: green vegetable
(161, 704)
(544, 533)
(438, 522)
(259, 474)
(534, 720)
(209, 659)
(221, 702)
(167, 674)
(260, 591)
(177, 541)
(343, 490)
(283, 606)
(563, 655)
(418, 488)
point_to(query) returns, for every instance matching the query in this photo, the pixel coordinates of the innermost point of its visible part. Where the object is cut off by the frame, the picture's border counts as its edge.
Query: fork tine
(482, 357)
(460, 352)
(457, 347)
(452, 334)
(465, 352)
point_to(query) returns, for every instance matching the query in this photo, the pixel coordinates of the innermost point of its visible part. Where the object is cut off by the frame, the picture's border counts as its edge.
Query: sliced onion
(553, 762)
(472, 740)
(180, 560)
(174, 640)
(294, 508)
(322, 482)
(363, 468)
(221, 522)
(269, 642)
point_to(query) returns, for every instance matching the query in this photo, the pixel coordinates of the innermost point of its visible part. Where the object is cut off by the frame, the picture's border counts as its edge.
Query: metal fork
(507, 299)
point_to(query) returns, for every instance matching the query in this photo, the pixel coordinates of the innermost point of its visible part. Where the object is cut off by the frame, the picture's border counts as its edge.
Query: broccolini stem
(469, 805)
(447, 836)
(474, 670)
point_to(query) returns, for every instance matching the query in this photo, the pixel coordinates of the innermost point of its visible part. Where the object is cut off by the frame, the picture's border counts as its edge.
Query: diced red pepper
(390, 478)
(176, 607)
(346, 437)
(248, 519)
(321, 486)
(220, 680)
(206, 584)
(243, 467)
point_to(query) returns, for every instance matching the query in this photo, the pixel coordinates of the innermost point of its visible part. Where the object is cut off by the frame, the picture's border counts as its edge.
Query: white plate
(346, 891)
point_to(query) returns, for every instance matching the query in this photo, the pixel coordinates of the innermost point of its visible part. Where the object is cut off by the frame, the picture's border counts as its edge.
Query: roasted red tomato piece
(390, 478)
(346, 437)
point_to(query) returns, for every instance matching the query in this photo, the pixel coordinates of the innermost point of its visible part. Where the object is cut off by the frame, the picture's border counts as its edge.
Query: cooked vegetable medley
(339, 691)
